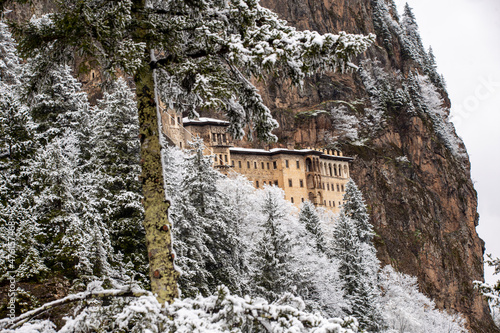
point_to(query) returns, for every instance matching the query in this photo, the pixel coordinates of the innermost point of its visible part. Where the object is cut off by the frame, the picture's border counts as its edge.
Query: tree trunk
(158, 236)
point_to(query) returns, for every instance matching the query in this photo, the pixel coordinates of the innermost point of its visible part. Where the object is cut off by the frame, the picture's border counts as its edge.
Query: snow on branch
(18, 321)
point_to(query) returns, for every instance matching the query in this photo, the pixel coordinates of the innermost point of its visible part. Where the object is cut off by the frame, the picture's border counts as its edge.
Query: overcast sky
(464, 35)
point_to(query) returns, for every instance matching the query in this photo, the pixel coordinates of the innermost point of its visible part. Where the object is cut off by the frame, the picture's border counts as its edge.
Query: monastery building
(317, 175)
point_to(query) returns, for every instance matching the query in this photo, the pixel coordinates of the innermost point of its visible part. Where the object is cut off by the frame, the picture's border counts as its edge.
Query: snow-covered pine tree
(272, 274)
(15, 137)
(19, 231)
(111, 177)
(430, 69)
(355, 208)
(208, 248)
(57, 103)
(412, 45)
(56, 206)
(310, 219)
(207, 51)
(356, 274)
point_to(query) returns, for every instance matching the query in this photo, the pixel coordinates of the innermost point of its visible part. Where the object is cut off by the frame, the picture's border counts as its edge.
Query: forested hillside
(104, 227)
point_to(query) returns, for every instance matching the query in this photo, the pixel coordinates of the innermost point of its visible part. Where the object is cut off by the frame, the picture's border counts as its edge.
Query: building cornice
(283, 151)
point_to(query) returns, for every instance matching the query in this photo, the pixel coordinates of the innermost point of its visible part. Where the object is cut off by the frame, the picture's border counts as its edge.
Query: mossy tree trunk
(158, 236)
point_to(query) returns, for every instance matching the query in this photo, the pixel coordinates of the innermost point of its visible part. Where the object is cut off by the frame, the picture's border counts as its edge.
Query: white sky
(464, 35)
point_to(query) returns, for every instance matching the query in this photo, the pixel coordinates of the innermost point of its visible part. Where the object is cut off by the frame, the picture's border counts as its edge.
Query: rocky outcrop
(422, 201)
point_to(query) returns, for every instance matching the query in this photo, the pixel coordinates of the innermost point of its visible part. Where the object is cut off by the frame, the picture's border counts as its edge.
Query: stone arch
(310, 181)
(309, 166)
(335, 169)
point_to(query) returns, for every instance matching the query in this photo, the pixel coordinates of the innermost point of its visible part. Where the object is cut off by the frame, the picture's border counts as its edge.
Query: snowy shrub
(221, 312)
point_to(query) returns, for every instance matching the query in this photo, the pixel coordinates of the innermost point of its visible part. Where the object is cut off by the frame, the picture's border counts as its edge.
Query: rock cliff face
(421, 198)
(422, 201)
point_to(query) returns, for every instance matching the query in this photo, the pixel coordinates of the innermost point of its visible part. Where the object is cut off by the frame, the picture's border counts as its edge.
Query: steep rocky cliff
(413, 170)
(410, 166)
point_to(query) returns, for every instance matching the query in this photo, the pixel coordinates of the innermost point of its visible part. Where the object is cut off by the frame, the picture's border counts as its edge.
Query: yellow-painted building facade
(317, 175)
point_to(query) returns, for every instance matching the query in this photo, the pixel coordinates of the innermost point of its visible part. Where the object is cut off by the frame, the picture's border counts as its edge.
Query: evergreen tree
(209, 250)
(56, 104)
(357, 260)
(355, 208)
(310, 219)
(412, 43)
(354, 270)
(9, 60)
(200, 48)
(272, 274)
(56, 205)
(113, 191)
(430, 69)
(15, 136)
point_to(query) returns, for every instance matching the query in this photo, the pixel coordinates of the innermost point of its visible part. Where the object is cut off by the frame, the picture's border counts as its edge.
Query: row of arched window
(264, 182)
(256, 165)
(327, 168)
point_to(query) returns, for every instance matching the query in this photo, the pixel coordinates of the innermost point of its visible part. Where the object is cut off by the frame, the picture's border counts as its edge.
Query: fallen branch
(18, 321)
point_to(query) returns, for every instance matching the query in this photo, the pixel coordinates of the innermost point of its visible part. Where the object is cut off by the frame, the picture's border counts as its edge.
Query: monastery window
(345, 171)
(311, 197)
(335, 169)
(225, 159)
(262, 164)
(275, 165)
(290, 183)
(330, 168)
(301, 183)
(340, 170)
(291, 199)
(328, 186)
(224, 137)
(302, 199)
(286, 163)
(308, 165)
(180, 145)
(268, 166)
(214, 137)
(248, 164)
(342, 188)
(232, 163)
(255, 165)
(257, 184)
(220, 159)
(215, 158)
(298, 164)
(330, 203)
(179, 120)
(338, 188)
(239, 164)
(276, 182)
(264, 182)
(333, 203)
(172, 121)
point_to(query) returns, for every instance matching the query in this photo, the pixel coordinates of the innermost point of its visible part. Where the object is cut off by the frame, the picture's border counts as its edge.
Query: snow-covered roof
(204, 121)
(277, 151)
